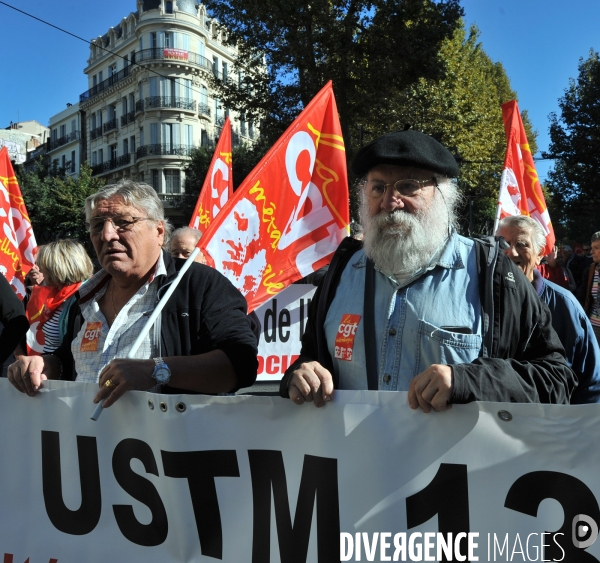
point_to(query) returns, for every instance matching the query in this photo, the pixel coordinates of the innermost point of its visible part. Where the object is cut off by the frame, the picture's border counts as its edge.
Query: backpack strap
(369, 326)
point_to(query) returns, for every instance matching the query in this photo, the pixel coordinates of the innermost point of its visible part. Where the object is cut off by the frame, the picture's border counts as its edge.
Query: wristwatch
(161, 373)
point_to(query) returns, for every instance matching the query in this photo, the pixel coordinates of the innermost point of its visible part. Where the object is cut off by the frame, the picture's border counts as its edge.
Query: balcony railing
(220, 121)
(110, 125)
(170, 198)
(139, 105)
(55, 143)
(127, 118)
(95, 133)
(204, 109)
(111, 164)
(170, 102)
(105, 84)
(164, 150)
(175, 55)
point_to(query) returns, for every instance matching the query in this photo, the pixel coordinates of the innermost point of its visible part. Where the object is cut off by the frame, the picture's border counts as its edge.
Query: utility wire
(104, 49)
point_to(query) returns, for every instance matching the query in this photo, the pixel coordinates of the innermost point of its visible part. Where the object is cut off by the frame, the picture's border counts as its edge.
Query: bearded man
(418, 307)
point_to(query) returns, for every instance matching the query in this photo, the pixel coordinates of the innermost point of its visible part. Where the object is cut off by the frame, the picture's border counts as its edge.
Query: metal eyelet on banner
(151, 404)
(180, 407)
(505, 416)
(163, 407)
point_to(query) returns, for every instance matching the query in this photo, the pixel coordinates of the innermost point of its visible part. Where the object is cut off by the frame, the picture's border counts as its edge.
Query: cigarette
(98, 410)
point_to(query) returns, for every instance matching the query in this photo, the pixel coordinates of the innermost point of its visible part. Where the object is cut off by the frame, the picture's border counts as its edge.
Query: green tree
(575, 144)
(55, 202)
(371, 49)
(462, 110)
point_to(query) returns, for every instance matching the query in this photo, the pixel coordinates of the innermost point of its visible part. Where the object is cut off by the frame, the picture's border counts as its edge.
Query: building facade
(149, 100)
(22, 139)
(64, 146)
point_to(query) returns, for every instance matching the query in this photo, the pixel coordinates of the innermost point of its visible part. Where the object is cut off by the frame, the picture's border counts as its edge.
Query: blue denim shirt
(414, 321)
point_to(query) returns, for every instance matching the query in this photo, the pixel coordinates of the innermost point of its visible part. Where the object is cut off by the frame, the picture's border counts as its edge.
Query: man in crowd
(183, 242)
(202, 341)
(553, 269)
(589, 295)
(526, 240)
(420, 308)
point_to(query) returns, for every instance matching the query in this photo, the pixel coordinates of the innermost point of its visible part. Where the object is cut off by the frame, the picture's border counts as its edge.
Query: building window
(225, 70)
(169, 7)
(132, 143)
(125, 146)
(113, 152)
(141, 136)
(63, 131)
(203, 138)
(172, 182)
(100, 156)
(216, 66)
(124, 105)
(63, 162)
(155, 179)
(72, 161)
(94, 158)
(73, 126)
(141, 176)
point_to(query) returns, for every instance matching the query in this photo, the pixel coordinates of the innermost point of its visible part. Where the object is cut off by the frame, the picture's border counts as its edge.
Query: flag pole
(152, 319)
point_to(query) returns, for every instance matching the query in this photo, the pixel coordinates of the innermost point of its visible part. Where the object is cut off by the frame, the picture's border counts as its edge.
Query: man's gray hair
(595, 236)
(135, 194)
(187, 231)
(538, 236)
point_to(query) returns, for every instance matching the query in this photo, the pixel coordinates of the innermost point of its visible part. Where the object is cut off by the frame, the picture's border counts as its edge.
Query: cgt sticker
(91, 336)
(344, 340)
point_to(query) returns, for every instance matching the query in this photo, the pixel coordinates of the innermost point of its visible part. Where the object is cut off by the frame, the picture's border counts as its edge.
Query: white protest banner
(283, 320)
(259, 479)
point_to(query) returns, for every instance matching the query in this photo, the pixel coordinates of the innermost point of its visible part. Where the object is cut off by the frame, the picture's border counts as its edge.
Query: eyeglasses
(405, 188)
(120, 223)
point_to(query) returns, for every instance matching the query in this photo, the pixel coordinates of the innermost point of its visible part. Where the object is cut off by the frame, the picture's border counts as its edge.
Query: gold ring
(109, 384)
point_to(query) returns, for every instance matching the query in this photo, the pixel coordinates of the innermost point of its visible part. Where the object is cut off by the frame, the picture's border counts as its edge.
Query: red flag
(17, 243)
(520, 189)
(289, 215)
(218, 184)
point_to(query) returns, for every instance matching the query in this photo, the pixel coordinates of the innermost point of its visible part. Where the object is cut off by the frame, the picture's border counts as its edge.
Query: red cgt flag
(218, 184)
(289, 215)
(17, 243)
(520, 189)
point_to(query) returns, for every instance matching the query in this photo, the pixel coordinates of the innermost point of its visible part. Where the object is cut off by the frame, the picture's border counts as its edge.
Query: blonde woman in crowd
(64, 265)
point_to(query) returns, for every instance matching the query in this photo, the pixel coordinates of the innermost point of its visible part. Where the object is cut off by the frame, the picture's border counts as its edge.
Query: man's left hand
(431, 389)
(124, 375)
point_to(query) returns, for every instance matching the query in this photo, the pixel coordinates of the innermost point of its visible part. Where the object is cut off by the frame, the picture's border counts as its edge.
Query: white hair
(538, 236)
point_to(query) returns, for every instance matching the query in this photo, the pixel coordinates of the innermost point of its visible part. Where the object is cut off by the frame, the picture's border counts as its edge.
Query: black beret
(406, 148)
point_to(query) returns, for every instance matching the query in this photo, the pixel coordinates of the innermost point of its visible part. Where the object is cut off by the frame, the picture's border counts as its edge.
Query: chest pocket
(438, 346)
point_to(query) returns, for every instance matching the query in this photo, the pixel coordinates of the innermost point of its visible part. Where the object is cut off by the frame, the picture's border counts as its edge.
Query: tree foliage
(55, 202)
(371, 49)
(575, 144)
(463, 111)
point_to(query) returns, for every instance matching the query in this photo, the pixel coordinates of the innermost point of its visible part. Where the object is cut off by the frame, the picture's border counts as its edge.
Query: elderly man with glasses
(202, 341)
(418, 307)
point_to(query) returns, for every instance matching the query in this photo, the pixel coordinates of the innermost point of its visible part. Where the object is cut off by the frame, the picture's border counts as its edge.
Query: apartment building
(149, 101)
(64, 146)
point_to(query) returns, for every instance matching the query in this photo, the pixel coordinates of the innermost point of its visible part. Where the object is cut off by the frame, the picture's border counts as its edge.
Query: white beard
(401, 243)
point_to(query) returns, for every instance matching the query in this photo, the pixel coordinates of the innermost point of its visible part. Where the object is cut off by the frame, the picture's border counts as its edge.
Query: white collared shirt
(114, 341)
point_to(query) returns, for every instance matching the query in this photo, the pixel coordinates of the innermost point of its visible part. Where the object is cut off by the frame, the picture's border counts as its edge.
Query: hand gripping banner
(520, 189)
(17, 243)
(289, 215)
(218, 185)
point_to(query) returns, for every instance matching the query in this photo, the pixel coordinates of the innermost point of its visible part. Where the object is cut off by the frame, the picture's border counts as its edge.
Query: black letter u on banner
(83, 520)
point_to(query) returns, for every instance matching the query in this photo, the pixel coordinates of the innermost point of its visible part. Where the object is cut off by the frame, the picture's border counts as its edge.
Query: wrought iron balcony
(175, 55)
(204, 109)
(110, 125)
(139, 105)
(220, 121)
(95, 133)
(127, 118)
(55, 143)
(164, 150)
(170, 102)
(112, 164)
(105, 84)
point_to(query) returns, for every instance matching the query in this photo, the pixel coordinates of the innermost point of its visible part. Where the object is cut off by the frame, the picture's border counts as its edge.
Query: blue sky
(539, 42)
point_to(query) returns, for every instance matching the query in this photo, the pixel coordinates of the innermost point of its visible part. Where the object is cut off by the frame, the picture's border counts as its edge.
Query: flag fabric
(218, 184)
(17, 243)
(289, 215)
(520, 189)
